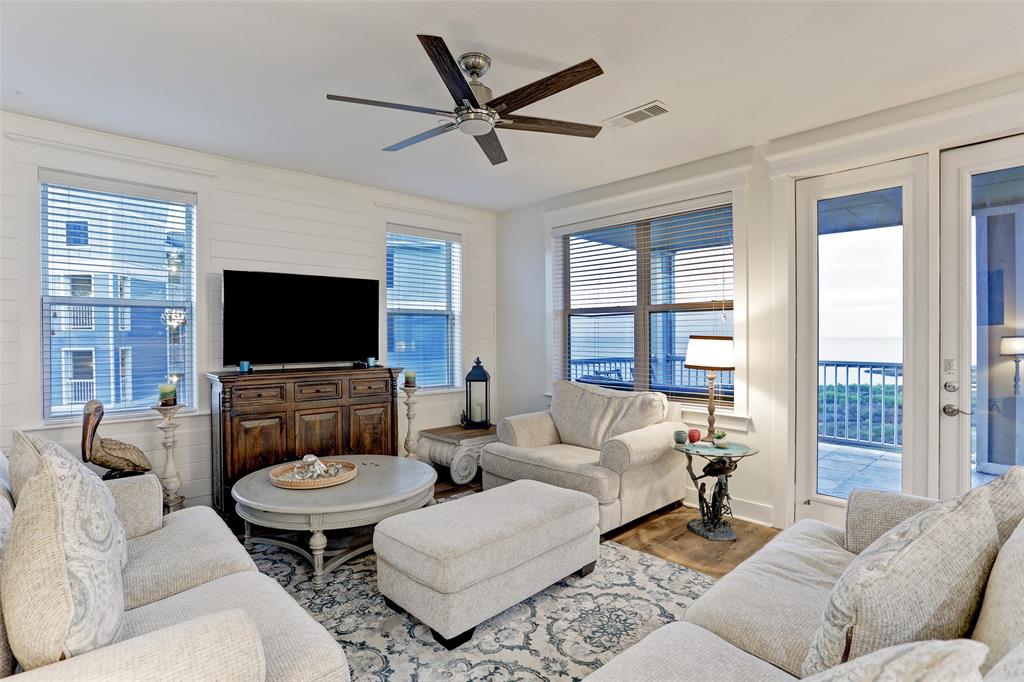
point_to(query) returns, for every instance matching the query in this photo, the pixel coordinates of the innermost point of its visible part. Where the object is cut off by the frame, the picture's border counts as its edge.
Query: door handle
(951, 410)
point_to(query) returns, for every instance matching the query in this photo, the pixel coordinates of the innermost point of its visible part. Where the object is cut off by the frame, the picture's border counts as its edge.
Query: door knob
(951, 410)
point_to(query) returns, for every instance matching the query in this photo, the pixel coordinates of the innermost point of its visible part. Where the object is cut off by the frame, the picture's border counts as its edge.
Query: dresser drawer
(261, 395)
(359, 387)
(319, 390)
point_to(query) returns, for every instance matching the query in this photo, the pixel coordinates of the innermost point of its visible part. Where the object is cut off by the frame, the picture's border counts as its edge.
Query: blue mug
(244, 367)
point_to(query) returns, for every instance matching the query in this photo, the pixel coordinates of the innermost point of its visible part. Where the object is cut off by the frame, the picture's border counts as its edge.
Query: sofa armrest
(140, 503)
(872, 513)
(222, 646)
(530, 430)
(642, 446)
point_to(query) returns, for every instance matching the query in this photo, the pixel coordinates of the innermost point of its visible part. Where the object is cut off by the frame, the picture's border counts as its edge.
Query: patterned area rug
(564, 633)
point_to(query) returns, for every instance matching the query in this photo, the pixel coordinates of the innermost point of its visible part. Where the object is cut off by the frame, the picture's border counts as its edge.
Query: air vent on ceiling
(637, 115)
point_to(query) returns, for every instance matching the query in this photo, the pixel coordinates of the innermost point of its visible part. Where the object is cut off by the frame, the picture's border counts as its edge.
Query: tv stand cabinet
(271, 416)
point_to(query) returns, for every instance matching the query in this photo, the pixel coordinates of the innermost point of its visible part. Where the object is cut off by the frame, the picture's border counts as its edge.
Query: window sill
(440, 390)
(56, 422)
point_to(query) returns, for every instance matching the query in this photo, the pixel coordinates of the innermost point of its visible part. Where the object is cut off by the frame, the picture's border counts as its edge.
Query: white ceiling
(247, 79)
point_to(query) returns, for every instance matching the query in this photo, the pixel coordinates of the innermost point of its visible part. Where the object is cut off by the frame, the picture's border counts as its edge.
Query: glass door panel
(860, 342)
(982, 324)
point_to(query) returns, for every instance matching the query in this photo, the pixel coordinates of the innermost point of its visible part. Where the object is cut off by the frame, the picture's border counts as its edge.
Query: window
(424, 305)
(78, 370)
(629, 296)
(117, 306)
(123, 290)
(76, 233)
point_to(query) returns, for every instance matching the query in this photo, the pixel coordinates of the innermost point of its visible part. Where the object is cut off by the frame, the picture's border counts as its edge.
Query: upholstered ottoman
(456, 564)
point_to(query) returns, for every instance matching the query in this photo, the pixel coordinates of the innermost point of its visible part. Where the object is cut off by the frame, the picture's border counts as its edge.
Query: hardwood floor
(664, 534)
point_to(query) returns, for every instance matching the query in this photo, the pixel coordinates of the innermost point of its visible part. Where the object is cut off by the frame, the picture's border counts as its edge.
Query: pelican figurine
(122, 459)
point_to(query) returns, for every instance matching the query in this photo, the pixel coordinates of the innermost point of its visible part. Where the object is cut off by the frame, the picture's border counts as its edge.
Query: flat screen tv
(274, 318)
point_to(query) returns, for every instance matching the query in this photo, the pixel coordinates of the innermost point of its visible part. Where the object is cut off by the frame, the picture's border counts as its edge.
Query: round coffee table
(385, 486)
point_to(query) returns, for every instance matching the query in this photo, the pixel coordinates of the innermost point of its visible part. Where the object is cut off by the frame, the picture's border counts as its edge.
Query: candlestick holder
(169, 478)
(410, 412)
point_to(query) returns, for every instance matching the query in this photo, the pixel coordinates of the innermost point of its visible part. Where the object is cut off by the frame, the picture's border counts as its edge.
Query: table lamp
(1014, 347)
(710, 353)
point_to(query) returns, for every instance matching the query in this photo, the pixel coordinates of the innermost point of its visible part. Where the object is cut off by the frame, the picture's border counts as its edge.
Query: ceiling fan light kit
(477, 112)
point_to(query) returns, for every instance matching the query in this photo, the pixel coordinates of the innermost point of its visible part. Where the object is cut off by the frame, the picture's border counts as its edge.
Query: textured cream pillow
(921, 580)
(587, 416)
(60, 583)
(934, 660)
(1001, 620)
(1010, 668)
(1006, 496)
(24, 458)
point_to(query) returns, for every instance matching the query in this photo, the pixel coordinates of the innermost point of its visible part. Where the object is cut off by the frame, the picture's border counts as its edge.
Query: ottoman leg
(456, 641)
(586, 570)
(392, 605)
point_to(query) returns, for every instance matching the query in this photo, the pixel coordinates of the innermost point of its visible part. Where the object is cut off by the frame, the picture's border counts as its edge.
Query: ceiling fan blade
(433, 132)
(390, 105)
(492, 147)
(450, 72)
(545, 87)
(547, 125)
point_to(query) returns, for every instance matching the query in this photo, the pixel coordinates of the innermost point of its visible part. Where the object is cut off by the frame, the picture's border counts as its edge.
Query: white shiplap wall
(249, 217)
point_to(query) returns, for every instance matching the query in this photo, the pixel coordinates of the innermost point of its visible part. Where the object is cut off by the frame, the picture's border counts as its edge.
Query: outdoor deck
(841, 468)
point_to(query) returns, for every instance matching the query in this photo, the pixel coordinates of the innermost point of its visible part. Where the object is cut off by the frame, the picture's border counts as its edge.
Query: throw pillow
(1006, 495)
(24, 459)
(921, 580)
(1001, 620)
(587, 416)
(930, 661)
(60, 582)
(1010, 668)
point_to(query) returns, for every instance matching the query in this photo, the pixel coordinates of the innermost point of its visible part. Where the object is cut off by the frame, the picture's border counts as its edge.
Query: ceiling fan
(477, 112)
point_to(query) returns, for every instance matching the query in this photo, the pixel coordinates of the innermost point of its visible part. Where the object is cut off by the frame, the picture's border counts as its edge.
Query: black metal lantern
(477, 414)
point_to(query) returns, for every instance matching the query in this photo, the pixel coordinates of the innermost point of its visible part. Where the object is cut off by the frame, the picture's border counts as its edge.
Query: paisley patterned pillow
(60, 582)
(921, 580)
(930, 661)
(24, 459)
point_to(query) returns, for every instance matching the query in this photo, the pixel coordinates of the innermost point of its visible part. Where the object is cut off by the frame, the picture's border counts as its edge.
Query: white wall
(762, 488)
(248, 217)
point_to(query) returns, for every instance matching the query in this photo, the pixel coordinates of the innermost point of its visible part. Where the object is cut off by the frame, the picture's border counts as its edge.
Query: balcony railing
(78, 317)
(861, 403)
(79, 391)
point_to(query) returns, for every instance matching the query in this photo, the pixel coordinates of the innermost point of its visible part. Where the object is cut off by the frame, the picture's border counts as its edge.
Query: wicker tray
(350, 472)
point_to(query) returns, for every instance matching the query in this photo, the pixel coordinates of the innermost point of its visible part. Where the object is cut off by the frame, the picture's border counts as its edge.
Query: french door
(862, 335)
(981, 327)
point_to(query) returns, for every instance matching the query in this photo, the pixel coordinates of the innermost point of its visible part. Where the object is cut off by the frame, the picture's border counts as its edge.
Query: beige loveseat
(759, 622)
(615, 445)
(195, 607)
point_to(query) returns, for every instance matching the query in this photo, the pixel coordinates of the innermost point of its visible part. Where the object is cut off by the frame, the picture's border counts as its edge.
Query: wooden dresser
(272, 416)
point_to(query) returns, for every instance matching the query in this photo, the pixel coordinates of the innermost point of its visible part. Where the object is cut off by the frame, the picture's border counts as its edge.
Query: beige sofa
(195, 605)
(615, 445)
(758, 623)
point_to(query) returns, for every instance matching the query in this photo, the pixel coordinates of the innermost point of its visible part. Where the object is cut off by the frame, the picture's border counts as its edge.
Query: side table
(456, 448)
(721, 463)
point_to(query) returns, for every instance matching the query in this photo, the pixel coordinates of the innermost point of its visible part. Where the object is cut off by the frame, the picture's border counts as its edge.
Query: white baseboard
(755, 512)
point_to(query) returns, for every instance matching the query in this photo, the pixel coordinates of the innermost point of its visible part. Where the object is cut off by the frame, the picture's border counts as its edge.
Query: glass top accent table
(721, 463)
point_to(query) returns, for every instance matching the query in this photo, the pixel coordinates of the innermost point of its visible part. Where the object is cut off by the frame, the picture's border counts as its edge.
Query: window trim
(455, 288)
(727, 186)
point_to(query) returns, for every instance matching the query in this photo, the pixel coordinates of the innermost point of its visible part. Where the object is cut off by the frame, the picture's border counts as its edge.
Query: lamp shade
(1011, 345)
(710, 352)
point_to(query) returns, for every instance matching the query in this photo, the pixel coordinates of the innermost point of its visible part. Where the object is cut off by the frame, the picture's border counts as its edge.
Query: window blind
(424, 276)
(118, 294)
(628, 297)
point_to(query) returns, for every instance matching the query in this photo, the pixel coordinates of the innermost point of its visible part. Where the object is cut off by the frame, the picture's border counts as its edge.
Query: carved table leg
(248, 536)
(317, 543)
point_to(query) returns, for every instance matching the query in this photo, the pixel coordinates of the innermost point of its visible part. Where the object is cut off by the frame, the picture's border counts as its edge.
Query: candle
(478, 408)
(410, 378)
(168, 395)
(244, 367)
